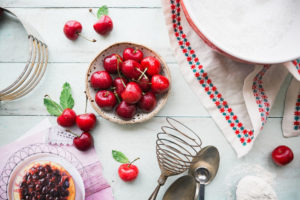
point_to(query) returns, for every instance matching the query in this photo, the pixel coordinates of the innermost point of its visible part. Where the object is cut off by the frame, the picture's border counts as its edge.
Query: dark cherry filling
(44, 183)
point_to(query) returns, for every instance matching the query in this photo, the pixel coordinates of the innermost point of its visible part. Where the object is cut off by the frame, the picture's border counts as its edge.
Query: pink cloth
(96, 187)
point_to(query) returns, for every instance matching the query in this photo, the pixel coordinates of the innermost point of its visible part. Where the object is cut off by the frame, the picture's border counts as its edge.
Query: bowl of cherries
(128, 83)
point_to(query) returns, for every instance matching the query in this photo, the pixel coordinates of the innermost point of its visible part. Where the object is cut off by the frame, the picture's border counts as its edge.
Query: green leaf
(52, 107)
(66, 99)
(102, 11)
(119, 157)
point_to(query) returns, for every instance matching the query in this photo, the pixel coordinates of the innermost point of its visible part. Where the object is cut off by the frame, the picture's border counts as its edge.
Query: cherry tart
(44, 180)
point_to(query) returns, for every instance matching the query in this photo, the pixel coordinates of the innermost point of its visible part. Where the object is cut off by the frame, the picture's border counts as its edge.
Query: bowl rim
(120, 120)
(223, 50)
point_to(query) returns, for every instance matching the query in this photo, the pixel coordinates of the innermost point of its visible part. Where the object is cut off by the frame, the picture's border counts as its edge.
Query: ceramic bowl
(97, 64)
(261, 32)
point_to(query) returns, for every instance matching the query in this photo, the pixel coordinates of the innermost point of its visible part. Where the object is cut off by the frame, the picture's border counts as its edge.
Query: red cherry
(67, 118)
(132, 93)
(103, 25)
(112, 62)
(101, 80)
(86, 122)
(126, 110)
(159, 83)
(144, 83)
(152, 64)
(282, 155)
(133, 54)
(118, 84)
(83, 142)
(130, 68)
(105, 99)
(147, 102)
(128, 172)
(72, 29)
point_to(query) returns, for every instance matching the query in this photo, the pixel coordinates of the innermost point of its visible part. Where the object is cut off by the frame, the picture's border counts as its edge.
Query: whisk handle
(161, 181)
(155, 192)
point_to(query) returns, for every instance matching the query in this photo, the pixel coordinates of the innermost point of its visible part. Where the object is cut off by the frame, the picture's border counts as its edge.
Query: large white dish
(222, 23)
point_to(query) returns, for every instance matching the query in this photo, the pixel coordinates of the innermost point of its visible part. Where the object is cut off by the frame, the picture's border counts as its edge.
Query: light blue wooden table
(140, 22)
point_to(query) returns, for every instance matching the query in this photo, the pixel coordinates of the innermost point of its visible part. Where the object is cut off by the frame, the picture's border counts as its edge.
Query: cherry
(103, 25)
(72, 30)
(147, 102)
(282, 155)
(118, 83)
(67, 118)
(132, 93)
(159, 83)
(126, 110)
(133, 54)
(152, 65)
(131, 69)
(144, 83)
(86, 122)
(112, 62)
(83, 142)
(105, 99)
(128, 172)
(101, 80)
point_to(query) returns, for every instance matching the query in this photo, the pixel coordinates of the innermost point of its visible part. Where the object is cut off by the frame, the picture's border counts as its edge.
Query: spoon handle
(201, 192)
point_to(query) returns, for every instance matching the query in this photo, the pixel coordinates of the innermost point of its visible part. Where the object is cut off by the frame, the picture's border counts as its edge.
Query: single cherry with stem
(72, 30)
(105, 99)
(82, 142)
(86, 121)
(101, 80)
(127, 171)
(133, 54)
(104, 23)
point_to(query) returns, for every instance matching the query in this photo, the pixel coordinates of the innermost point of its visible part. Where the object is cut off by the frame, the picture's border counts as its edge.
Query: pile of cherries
(137, 82)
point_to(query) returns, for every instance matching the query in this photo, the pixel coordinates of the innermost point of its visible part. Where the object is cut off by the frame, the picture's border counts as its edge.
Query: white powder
(244, 25)
(242, 170)
(254, 188)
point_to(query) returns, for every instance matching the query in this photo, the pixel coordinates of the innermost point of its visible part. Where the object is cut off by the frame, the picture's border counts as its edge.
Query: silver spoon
(189, 186)
(204, 169)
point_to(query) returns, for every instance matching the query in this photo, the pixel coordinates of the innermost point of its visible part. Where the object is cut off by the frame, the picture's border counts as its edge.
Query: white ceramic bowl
(253, 31)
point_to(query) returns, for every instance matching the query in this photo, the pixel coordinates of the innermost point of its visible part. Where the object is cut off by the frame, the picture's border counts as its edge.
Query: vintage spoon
(182, 189)
(204, 169)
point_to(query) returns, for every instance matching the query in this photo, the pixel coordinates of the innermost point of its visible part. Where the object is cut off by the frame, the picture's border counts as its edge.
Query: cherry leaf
(102, 11)
(53, 108)
(119, 157)
(66, 99)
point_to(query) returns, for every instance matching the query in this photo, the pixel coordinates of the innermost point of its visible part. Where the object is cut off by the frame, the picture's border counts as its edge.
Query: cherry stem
(133, 161)
(69, 131)
(93, 40)
(143, 74)
(86, 100)
(117, 96)
(91, 11)
(118, 69)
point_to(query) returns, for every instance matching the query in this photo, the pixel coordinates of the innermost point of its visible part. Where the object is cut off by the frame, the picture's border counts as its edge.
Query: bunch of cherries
(137, 83)
(86, 122)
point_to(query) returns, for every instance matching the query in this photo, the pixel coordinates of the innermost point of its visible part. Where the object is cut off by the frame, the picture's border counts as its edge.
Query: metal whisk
(176, 147)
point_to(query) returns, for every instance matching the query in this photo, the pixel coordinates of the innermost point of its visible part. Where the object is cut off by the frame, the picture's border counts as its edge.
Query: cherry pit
(129, 83)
